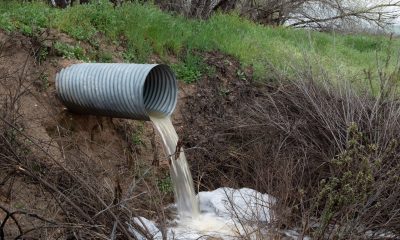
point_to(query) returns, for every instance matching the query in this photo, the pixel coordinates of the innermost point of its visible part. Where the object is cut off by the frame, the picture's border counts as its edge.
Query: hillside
(311, 118)
(144, 30)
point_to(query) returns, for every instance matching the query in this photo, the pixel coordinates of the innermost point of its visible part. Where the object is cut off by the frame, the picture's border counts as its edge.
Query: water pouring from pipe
(141, 92)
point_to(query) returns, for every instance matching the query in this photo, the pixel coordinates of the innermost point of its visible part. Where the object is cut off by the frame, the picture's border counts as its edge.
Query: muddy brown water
(191, 220)
(185, 198)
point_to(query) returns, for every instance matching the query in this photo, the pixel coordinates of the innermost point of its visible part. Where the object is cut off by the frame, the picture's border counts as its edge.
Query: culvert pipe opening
(118, 89)
(160, 91)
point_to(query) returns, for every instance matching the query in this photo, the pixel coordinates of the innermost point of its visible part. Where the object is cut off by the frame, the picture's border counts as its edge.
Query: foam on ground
(225, 213)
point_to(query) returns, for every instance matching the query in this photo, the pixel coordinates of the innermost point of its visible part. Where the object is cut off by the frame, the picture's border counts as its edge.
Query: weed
(43, 81)
(6, 23)
(185, 73)
(42, 55)
(27, 30)
(191, 69)
(223, 91)
(211, 71)
(128, 56)
(69, 51)
(137, 135)
(104, 57)
(165, 185)
(136, 139)
(351, 183)
(241, 75)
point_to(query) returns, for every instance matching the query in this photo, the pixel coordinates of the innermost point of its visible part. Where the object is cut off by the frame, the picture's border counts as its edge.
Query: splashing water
(191, 224)
(187, 203)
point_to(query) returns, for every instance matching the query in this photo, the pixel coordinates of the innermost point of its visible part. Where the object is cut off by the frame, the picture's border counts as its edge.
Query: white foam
(225, 213)
(147, 225)
(242, 204)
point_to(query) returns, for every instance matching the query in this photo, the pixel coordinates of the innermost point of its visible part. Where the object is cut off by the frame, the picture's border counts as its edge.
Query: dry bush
(339, 152)
(322, 14)
(197, 8)
(77, 194)
(344, 15)
(328, 152)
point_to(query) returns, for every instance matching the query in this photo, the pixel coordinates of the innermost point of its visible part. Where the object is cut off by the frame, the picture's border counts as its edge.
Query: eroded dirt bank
(65, 167)
(50, 154)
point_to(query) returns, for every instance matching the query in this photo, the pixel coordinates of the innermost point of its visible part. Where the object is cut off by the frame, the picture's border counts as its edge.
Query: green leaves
(191, 68)
(70, 51)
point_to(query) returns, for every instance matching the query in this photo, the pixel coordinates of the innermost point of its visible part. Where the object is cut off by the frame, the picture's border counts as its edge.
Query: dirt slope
(65, 156)
(115, 149)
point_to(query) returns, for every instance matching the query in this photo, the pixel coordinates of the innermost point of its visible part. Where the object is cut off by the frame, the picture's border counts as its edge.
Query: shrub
(69, 51)
(191, 68)
(327, 151)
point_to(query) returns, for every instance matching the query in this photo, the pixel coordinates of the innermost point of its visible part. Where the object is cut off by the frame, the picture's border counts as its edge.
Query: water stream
(214, 218)
(186, 201)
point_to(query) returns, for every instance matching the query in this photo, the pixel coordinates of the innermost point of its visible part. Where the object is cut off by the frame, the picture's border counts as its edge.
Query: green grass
(146, 30)
(191, 68)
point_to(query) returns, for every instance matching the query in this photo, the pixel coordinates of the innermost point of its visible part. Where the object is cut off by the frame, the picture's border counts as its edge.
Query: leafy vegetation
(351, 183)
(105, 57)
(144, 30)
(137, 135)
(165, 184)
(191, 68)
(70, 51)
(43, 81)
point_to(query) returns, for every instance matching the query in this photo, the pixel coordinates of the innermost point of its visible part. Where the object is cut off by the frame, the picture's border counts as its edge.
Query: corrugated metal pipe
(118, 89)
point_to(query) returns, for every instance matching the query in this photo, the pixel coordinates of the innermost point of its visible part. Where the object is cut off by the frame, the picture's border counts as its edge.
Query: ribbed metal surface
(118, 89)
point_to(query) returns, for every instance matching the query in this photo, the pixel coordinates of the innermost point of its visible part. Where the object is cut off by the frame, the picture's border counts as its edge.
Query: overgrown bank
(143, 30)
(327, 152)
